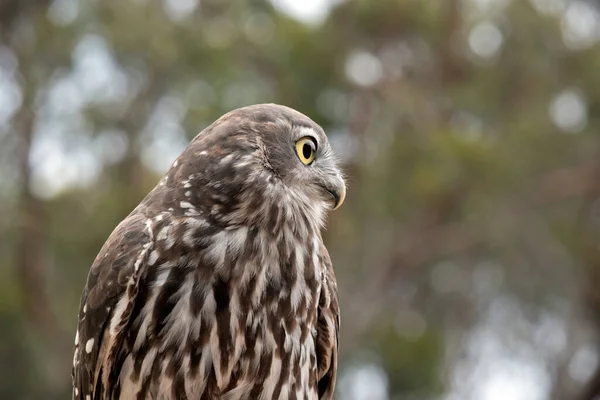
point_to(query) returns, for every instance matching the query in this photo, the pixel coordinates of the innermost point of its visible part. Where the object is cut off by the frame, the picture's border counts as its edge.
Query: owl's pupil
(306, 151)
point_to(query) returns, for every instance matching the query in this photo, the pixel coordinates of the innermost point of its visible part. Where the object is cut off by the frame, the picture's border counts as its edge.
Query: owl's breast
(237, 316)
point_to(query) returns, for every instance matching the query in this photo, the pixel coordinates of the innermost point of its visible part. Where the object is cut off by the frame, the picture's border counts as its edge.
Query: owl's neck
(264, 203)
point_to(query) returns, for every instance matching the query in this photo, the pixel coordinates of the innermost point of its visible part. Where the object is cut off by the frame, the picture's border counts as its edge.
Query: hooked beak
(337, 189)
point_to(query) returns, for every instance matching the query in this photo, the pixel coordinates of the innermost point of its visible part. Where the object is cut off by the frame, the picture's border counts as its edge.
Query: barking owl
(218, 285)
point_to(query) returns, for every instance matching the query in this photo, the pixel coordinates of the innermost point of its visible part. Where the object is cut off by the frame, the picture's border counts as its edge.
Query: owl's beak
(337, 189)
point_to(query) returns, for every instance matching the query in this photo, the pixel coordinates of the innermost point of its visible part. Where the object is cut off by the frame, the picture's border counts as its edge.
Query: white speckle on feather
(162, 278)
(77, 338)
(175, 163)
(226, 159)
(139, 260)
(152, 258)
(164, 233)
(243, 161)
(188, 193)
(89, 345)
(187, 184)
(203, 153)
(192, 212)
(159, 217)
(237, 239)
(76, 392)
(166, 236)
(185, 204)
(196, 223)
(84, 308)
(216, 252)
(189, 237)
(149, 227)
(315, 254)
(117, 317)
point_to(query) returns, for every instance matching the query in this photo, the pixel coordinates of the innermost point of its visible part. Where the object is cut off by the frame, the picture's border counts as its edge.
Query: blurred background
(468, 249)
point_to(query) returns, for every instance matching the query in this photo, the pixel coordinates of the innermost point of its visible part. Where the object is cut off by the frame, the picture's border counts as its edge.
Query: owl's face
(300, 155)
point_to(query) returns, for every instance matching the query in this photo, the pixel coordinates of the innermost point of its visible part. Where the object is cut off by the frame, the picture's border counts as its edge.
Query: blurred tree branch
(590, 255)
(31, 252)
(31, 257)
(31, 248)
(452, 68)
(13, 11)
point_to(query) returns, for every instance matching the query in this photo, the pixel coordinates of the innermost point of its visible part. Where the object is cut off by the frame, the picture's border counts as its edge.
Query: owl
(218, 284)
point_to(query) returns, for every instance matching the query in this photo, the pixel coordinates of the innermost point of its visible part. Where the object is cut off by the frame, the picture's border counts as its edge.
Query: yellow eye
(306, 149)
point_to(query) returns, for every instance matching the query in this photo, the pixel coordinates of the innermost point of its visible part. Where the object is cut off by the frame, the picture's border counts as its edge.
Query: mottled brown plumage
(218, 285)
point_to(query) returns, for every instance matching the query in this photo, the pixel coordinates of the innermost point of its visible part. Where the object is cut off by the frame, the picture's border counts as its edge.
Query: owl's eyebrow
(305, 130)
(296, 125)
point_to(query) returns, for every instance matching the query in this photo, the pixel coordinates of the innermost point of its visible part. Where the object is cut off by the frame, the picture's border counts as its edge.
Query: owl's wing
(328, 325)
(106, 307)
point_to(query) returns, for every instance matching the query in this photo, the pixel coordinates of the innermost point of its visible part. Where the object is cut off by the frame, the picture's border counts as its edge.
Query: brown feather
(218, 286)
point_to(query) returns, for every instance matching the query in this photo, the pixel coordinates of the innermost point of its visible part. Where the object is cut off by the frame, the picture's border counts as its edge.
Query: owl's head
(259, 160)
(295, 150)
